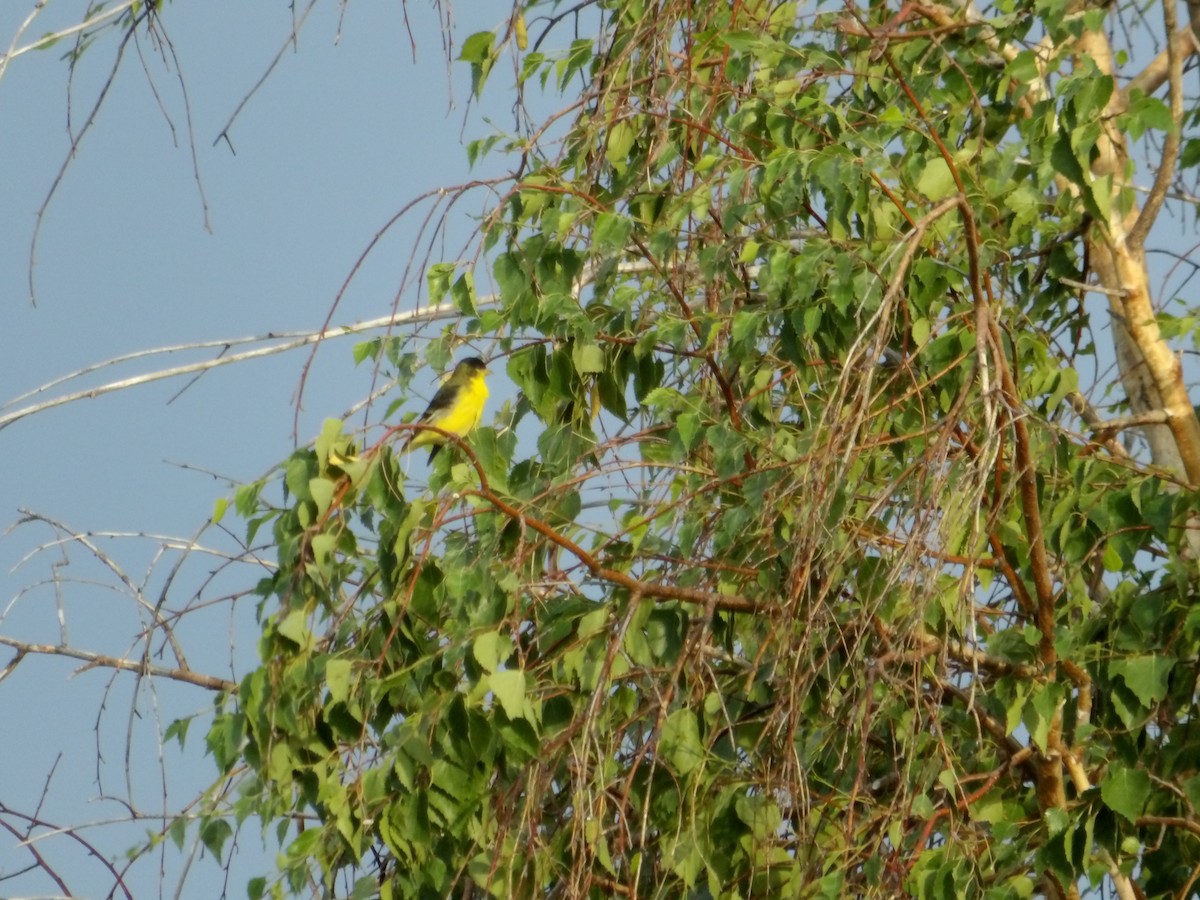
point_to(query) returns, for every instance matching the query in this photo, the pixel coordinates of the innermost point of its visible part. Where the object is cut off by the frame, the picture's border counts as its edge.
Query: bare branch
(1109, 427)
(103, 661)
(1092, 288)
(1151, 78)
(290, 41)
(301, 339)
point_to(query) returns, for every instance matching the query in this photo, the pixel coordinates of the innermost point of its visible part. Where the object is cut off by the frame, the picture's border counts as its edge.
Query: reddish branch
(656, 590)
(735, 418)
(92, 851)
(1050, 787)
(1026, 471)
(964, 802)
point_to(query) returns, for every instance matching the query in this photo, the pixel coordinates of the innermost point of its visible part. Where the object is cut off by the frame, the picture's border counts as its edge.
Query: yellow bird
(457, 407)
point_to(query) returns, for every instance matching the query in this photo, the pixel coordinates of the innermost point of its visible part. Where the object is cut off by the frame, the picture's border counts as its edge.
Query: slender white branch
(1092, 288)
(294, 342)
(223, 343)
(281, 342)
(46, 40)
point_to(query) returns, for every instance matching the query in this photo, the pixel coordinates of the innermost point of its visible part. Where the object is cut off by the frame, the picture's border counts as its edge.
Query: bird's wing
(441, 401)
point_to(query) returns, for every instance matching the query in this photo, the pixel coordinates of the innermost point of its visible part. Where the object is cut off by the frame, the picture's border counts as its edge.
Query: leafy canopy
(789, 571)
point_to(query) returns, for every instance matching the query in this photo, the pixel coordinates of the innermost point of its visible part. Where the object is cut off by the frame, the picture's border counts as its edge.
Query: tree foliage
(811, 582)
(808, 559)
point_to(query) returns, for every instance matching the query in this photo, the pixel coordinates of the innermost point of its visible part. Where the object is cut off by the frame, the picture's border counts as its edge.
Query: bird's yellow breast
(467, 409)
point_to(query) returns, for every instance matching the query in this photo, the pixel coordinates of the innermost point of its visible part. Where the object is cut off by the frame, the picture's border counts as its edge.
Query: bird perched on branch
(457, 407)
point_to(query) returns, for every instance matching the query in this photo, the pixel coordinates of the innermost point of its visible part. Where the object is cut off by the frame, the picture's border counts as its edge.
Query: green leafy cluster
(752, 610)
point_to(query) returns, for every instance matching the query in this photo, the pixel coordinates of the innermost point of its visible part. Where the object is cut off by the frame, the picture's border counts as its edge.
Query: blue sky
(345, 132)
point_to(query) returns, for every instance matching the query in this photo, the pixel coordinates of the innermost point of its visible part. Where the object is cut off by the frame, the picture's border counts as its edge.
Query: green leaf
(1065, 162)
(920, 331)
(680, 741)
(245, 499)
(214, 833)
(47, 40)
(177, 832)
(937, 181)
(297, 472)
(491, 649)
(337, 679)
(178, 729)
(688, 425)
(322, 490)
(463, 293)
(663, 398)
(621, 139)
(330, 439)
(1191, 787)
(1024, 68)
(578, 55)
(1144, 113)
(1065, 381)
(1125, 790)
(323, 546)
(1146, 676)
(478, 51)
(438, 279)
(294, 627)
(610, 233)
(746, 326)
(365, 350)
(509, 688)
(588, 359)
(1040, 712)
